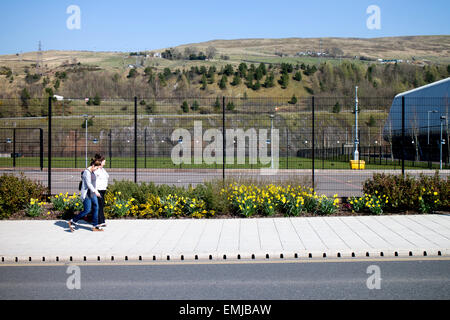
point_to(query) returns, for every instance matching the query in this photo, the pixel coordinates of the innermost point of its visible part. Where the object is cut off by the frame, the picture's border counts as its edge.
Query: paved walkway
(230, 239)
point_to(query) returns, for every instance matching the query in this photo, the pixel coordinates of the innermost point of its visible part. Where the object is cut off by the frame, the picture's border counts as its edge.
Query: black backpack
(81, 181)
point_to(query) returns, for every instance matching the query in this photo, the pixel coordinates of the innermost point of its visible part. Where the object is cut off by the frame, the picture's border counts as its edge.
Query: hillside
(434, 48)
(327, 66)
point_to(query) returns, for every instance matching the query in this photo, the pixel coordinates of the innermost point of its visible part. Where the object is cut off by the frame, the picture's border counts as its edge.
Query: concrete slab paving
(270, 236)
(249, 236)
(433, 230)
(329, 237)
(229, 236)
(289, 238)
(310, 238)
(255, 238)
(348, 236)
(209, 240)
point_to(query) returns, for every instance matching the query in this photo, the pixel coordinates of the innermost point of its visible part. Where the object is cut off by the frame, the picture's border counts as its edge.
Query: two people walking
(93, 190)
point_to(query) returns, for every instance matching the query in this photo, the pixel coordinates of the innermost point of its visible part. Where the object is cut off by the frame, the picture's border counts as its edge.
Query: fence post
(323, 149)
(110, 148)
(287, 148)
(49, 146)
(145, 148)
(403, 136)
(41, 148)
(381, 151)
(313, 143)
(135, 139)
(75, 154)
(223, 139)
(14, 147)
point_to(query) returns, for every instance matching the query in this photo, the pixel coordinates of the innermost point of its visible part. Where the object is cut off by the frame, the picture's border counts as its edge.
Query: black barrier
(137, 136)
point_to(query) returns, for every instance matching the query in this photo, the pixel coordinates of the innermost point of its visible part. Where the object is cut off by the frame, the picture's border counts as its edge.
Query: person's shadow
(81, 224)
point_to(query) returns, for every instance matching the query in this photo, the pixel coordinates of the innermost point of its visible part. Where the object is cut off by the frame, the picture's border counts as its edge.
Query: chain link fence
(186, 141)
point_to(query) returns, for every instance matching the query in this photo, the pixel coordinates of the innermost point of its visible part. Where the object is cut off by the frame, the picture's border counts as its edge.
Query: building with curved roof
(424, 108)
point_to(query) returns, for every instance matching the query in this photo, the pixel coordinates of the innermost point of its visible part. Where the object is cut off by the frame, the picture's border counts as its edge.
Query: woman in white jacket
(102, 183)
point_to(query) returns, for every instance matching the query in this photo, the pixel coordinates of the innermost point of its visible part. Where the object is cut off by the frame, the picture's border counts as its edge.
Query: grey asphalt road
(323, 279)
(329, 182)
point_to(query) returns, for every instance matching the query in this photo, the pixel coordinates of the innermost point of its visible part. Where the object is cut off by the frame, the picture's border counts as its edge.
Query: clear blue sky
(134, 25)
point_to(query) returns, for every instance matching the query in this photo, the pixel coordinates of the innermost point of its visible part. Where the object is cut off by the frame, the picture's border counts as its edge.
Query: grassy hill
(85, 73)
(434, 48)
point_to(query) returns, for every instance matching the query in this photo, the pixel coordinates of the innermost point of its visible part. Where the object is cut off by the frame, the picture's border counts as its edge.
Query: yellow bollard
(357, 164)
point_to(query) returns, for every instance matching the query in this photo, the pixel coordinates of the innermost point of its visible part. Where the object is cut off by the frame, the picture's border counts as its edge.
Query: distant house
(58, 98)
(391, 61)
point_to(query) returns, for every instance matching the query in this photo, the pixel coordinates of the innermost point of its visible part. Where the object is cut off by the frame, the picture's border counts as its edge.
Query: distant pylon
(39, 59)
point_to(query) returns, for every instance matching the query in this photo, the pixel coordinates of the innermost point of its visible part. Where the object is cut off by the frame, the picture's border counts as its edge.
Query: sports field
(373, 163)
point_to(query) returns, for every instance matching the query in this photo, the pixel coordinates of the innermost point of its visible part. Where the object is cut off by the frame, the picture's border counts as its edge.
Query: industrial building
(425, 115)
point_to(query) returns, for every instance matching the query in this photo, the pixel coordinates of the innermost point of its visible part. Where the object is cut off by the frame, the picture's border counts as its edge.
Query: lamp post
(271, 133)
(428, 123)
(441, 142)
(356, 153)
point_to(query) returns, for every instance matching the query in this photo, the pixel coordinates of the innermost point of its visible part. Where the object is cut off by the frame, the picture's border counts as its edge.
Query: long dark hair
(99, 158)
(96, 163)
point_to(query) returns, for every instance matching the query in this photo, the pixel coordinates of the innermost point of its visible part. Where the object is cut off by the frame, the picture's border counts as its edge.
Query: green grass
(166, 163)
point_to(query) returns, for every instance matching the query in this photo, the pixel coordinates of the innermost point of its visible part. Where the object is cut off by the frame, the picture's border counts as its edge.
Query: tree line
(324, 79)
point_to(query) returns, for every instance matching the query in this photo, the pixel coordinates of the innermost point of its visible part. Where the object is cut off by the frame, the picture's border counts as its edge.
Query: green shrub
(34, 208)
(185, 107)
(210, 193)
(374, 203)
(67, 204)
(117, 205)
(267, 200)
(129, 189)
(207, 193)
(141, 191)
(327, 205)
(16, 192)
(425, 194)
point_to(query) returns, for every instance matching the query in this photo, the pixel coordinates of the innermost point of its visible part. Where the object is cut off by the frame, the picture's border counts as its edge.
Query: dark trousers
(89, 203)
(101, 205)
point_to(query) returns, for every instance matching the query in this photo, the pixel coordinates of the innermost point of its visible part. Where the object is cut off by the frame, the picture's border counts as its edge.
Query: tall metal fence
(184, 141)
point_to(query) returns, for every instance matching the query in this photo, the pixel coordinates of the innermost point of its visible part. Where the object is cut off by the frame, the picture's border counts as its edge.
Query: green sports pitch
(167, 163)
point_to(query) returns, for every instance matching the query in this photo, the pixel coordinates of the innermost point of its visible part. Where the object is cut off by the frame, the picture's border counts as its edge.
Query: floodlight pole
(356, 153)
(271, 138)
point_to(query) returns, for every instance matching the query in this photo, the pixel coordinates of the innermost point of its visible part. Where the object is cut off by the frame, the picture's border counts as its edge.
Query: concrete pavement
(226, 239)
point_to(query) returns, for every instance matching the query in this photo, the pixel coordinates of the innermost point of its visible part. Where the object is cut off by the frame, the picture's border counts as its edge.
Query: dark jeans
(89, 203)
(101, 205)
